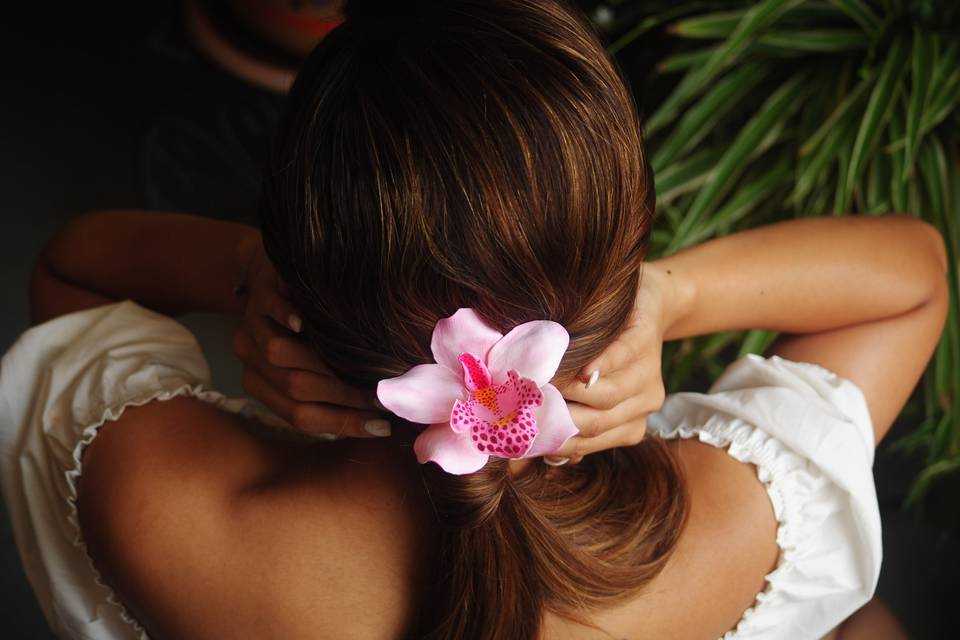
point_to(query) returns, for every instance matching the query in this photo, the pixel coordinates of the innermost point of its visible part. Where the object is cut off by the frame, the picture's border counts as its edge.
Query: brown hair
(484, 154)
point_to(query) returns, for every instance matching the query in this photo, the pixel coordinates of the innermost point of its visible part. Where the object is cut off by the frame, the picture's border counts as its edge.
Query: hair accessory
(485, 394)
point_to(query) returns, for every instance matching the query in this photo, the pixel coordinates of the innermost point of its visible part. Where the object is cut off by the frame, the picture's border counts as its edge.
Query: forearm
(803, 276)
(171, 263)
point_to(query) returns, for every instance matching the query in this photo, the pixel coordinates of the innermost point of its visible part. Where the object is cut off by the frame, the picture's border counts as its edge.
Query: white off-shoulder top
(807, 431)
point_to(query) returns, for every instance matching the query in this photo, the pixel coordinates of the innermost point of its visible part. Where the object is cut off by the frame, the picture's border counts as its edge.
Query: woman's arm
(805, 275)
(172, 263)
(866, 298)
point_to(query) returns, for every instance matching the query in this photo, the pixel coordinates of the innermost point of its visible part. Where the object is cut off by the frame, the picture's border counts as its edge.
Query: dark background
(110, 105)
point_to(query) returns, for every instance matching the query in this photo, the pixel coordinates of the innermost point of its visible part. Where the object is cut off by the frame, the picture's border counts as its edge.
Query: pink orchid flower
(486, 394)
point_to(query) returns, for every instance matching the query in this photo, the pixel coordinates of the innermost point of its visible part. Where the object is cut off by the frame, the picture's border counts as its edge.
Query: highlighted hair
(483, 154)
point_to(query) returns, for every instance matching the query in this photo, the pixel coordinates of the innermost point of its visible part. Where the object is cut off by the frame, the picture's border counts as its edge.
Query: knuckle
(345, 426)
(588, 428)
(301, 416)
(274, 350)
(612, 395)
(579, 449)
(638, 433)
(297, 385)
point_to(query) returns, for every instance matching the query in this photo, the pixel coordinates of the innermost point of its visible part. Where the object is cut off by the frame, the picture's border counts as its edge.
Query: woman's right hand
(612, 411)
(281, 370)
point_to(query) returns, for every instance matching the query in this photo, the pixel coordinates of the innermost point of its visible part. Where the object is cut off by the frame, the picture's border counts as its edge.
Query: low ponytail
(479, 590)
(568, 540)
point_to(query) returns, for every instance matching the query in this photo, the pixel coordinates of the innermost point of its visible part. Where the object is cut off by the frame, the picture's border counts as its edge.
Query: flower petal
(424, 394)
(463, 332)
(554, 424)
(533, 349)
(454, 452)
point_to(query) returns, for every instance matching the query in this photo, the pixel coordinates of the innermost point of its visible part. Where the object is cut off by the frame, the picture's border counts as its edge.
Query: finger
(270, 303)
(283, 288)
(611, 390)
(283, 350)
(634, 342)
(618, 353)
(300, 384)
(305, 386)
(314, 418)
(593, 422)
(628, 434)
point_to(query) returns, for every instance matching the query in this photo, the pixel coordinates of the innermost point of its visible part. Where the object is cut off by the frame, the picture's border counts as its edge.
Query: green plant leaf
(647, 24)
(748, 198)
(938, 91)
(844, 155)
(701, 118)
(925, 47)
(849, 103)
(757, 341)
(757, 18)
(878, 111)
(673, 215)
(698, 57)
(709, 25)
(898, 186)
(859, 13)
(926, 478)
(946, 63)
(914, 207)
(777, 107)
(841, 135)
(876, 190)
(685, 176)
(934, 173)
(816, 40)
(685, 60)
(817, 205)
(717, 341)
(943, 103)
(659, 238)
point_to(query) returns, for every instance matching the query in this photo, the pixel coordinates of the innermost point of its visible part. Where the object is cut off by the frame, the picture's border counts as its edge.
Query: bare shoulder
(205, 530)
(726, 549)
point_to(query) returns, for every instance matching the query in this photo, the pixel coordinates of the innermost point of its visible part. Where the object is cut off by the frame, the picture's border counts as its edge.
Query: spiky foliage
(794, 108)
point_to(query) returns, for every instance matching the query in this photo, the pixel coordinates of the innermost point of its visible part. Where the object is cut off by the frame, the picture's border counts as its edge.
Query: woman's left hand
(281, 370)
(628, 385)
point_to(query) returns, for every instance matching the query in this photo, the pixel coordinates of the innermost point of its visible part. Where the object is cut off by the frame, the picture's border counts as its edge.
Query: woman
(481, 156)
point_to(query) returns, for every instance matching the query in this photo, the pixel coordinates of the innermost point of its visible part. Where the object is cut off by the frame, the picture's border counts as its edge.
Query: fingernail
(555, 462)
(593, 379)
(379, 428)
(296, 324)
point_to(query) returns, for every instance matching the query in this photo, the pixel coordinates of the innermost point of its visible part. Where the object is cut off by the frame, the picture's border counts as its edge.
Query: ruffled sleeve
(809, 433)
(60, 382)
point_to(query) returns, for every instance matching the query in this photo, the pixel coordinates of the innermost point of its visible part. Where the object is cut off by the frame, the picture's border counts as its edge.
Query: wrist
(678, 294)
